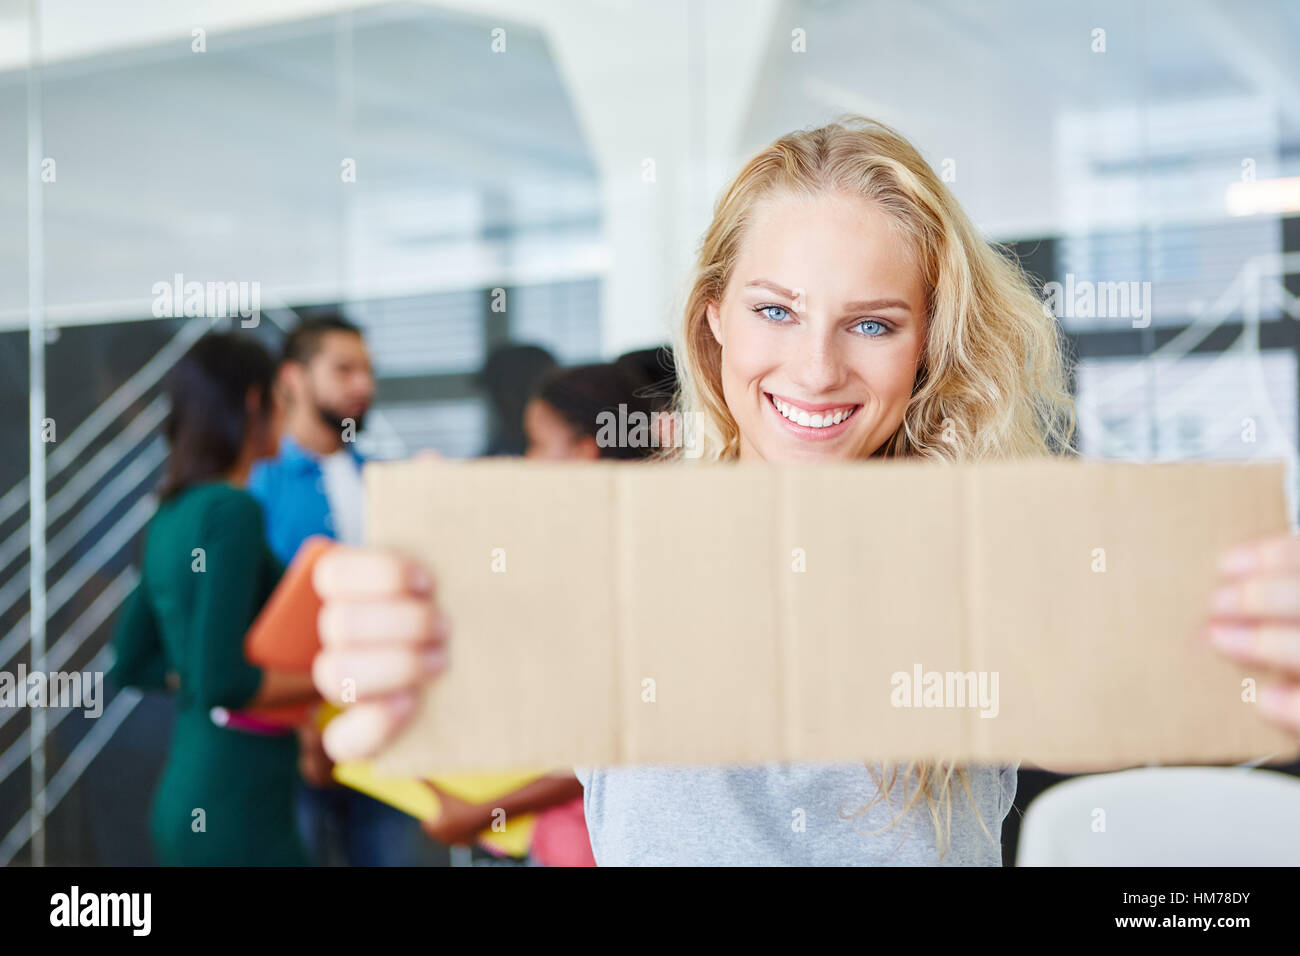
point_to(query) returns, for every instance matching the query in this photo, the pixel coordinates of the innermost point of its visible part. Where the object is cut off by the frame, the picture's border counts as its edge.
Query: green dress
(226, 796)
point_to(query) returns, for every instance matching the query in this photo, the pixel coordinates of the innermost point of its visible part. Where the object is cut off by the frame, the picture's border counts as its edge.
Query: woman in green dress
(227, 795)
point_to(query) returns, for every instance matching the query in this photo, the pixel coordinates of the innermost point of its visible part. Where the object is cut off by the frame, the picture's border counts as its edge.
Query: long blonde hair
(993, 377)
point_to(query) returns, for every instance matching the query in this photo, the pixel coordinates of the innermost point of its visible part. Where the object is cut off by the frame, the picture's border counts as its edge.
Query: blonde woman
(843, 307)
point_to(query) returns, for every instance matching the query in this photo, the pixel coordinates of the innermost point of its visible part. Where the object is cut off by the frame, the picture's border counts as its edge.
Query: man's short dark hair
(302, 344)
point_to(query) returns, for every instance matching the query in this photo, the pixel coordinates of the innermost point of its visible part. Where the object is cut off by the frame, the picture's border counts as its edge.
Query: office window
(424, 334)
(1229, 405)
(456, 428)
(561, 317)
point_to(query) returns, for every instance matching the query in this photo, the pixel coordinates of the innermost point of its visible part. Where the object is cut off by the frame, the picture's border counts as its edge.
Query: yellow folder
(414, 796)
(418, 799)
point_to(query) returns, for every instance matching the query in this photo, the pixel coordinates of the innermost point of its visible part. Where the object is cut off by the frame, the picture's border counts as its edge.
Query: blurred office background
(422, 164)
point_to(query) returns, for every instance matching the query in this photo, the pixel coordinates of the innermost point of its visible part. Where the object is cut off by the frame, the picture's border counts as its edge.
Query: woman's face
(550, 437)
(822, 327)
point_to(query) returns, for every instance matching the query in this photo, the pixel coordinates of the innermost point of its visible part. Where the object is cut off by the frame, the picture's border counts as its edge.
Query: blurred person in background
(226, 796)
(313, 487)
(510, 376)
(562, 423)
(562, 419)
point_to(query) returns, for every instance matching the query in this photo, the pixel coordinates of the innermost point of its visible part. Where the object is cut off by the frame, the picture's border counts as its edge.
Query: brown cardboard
(655, 613)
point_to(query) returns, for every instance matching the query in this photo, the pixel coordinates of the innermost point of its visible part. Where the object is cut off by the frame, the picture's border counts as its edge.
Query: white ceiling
(988, 83)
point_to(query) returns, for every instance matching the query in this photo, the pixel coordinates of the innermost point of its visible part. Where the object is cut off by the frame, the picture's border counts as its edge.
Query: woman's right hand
(382, 637)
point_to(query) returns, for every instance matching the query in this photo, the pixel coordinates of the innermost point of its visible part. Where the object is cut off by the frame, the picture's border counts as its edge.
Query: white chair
(1165, 816)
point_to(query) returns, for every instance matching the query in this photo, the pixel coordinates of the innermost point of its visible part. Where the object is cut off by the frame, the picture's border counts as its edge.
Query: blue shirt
(291, 490)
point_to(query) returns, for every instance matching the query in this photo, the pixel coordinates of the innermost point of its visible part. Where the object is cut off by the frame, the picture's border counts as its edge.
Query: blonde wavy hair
(993, 380)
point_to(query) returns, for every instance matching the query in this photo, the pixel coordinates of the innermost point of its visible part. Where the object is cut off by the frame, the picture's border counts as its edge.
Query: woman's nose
(817, 366)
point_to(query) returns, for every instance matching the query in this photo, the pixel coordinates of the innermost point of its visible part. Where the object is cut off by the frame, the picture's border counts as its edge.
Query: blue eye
(767, 310)
(884, 329)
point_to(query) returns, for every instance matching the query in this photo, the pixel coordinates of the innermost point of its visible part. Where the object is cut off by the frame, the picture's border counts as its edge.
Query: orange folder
(283, 637)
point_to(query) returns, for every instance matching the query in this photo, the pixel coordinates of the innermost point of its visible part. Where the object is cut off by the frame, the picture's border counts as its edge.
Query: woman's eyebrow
(865, 305)
(871, 305)
(771, 287)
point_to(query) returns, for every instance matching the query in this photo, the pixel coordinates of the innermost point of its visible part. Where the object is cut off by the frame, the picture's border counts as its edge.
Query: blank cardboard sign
(662, 613)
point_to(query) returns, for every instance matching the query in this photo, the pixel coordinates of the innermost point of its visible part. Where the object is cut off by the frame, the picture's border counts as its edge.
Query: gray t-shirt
(783, 814)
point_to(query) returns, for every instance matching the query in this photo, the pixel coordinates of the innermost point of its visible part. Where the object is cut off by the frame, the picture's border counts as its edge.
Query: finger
(363, 729)
(1271, 555)
(390, 621)
(1257, 596)
(1272, 646)
(344, 676)
(344, 572)
(1281, 705)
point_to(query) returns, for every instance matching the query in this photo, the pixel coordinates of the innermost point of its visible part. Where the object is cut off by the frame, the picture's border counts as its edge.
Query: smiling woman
(844, 307)
(840, 273)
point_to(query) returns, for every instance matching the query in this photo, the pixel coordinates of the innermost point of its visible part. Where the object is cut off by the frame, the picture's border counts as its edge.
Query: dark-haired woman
(576, 413)
(226, 796)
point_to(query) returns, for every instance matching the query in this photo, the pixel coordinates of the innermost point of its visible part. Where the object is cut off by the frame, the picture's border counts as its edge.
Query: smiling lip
(809, 432)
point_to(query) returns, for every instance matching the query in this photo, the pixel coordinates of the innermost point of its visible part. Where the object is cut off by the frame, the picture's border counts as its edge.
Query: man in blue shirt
(314, 487)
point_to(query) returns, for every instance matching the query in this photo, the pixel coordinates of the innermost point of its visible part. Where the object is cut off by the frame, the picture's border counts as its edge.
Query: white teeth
(815, 419)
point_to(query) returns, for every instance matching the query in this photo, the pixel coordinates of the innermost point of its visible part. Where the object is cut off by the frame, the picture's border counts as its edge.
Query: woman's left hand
(1255, 620)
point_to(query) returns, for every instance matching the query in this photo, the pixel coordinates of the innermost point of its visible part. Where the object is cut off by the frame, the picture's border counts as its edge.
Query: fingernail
(442, 625)
(1238, 561)
(419, 580)
(402, 706)
(1275, 702)
(1225, 601)
(434, 661)
(1231, 640)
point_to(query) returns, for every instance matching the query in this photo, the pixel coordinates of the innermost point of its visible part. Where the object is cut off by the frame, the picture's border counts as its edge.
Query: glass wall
(458, 176)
